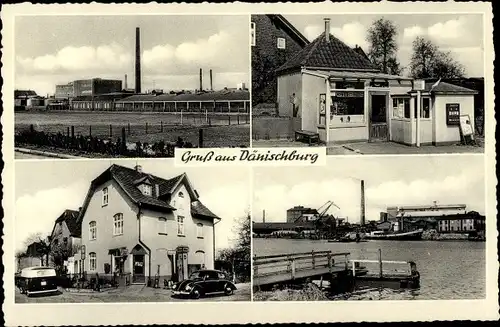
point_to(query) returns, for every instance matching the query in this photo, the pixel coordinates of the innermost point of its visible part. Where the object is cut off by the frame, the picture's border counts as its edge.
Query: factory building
(87, 87)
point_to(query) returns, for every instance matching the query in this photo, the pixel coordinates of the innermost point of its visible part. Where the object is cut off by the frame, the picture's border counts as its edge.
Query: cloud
(276, 198)
(452, 32)
(352, 34)
(37, 212)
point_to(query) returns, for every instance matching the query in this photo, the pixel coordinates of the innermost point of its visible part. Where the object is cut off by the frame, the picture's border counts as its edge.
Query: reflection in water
(448, 269)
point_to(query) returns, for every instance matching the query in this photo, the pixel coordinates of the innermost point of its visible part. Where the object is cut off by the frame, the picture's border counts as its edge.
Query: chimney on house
(362, 203)
(137, 60)
(157, 190)
(263, 216)
(327, 29)
(201, 79)
(211, 81)
(138, 168)
(126, 83)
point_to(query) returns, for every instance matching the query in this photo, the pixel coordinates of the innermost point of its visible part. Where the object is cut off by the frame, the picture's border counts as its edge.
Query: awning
(354, 75)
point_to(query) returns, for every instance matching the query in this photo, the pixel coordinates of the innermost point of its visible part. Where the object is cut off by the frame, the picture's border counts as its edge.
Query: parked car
(204, 282)
(37, 280)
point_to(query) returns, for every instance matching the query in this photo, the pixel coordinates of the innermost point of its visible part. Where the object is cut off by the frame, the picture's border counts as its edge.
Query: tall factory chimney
(362, 203)
(263, 216)
(137, 60)
(211, 81)
(126, 83)
(201, 79)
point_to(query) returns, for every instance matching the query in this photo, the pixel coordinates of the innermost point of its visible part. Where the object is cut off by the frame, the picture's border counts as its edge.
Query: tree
(237, 258)
(427, 61)
(383, 47)
(264, 82)
(38, 246)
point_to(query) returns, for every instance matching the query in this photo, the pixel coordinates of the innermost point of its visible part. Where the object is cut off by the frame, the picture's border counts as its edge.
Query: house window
(199, 230)
(93, 261)
(65, 241)
(401, 107)
(105, 196)
(281, 43)
(252, 34)
(118, 224)
(92, 230)
(180, 225)
(181, 195)
(146, 189)
(162, 225)
(425, 108)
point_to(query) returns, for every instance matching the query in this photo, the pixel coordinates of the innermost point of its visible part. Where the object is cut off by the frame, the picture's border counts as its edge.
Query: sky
(44, 189)
(52, 50)
(389, 181)
(461, 34)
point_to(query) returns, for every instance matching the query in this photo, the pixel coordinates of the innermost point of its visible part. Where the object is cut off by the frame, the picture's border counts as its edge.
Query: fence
(101, 145)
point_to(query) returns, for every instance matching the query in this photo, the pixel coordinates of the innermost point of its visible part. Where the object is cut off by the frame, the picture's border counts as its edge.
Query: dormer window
(147, 189)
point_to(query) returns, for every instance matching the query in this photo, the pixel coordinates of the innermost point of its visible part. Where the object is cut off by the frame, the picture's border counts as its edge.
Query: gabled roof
(290, 29)
(128, 179)
(199, 210)
(71, 219)
(332, 54)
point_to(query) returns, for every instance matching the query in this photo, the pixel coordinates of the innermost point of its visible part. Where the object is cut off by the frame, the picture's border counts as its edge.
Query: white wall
(445, 133)
(287, 85)
(312, 87)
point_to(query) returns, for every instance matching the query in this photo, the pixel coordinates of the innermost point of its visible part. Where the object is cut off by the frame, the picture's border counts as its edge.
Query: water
(448, 269)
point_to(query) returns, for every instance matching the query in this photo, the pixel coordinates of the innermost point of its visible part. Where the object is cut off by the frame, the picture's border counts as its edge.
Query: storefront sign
(466, 125)
(346, 94)
(452, 114)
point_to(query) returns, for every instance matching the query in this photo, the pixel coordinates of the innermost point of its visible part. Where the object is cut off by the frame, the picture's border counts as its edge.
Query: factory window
(252, 34)
(281, 43)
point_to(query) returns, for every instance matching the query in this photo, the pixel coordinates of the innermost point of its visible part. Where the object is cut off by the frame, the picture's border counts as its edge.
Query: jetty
(336, 269)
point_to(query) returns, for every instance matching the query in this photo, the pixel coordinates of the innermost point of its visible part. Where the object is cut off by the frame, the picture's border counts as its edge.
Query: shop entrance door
(378, 128)
(139, 273)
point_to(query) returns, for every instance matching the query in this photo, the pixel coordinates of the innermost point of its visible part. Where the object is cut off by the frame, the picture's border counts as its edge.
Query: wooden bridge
(275, 269)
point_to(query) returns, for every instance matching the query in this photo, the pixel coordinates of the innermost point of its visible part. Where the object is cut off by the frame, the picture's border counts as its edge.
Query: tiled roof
(128, 179)
(222, 95)
(24, 93)
(443, 87)
(71, 218)
(332, 54)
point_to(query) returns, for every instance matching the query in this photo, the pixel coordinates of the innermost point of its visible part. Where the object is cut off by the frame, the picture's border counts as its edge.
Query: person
(295, 108)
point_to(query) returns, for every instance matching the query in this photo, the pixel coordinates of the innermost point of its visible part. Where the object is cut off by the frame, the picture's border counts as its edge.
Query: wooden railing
(321, 261)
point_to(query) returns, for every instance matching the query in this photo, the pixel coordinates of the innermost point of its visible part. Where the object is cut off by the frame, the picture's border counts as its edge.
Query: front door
(139, 272)
(182, 266)
(378, 118)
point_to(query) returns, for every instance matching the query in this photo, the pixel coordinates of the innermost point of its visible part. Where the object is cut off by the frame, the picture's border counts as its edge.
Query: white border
(244, 312)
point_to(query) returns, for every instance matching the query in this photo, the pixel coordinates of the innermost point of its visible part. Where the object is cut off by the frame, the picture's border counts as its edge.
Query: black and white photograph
(130, 231)
(369, 84)
(130, 86)
(342, 232)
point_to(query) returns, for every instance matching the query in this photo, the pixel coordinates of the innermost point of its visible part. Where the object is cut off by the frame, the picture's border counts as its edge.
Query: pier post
(123, 146)
(200, 138)
(293, 269)
(353, 269)
(146, 127)
(380, 262)
(110, 130)
(330, 262)
(313, 260)
(161, 126)
(90, 130)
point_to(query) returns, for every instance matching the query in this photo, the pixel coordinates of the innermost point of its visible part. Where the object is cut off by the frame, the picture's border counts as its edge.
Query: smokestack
(211, 81)
(137, 60)
(362, 203)
(327, 29)
(201, 79)
(126, 83)
(263, 216)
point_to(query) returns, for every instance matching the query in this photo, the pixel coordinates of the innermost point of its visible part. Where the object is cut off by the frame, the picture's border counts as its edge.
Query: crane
(326, 206)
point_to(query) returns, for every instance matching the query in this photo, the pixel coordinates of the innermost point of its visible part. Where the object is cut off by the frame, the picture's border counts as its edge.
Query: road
(132, 293)
(19, 155)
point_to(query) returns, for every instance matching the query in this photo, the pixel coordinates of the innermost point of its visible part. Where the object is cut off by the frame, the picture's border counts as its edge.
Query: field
(219, 131)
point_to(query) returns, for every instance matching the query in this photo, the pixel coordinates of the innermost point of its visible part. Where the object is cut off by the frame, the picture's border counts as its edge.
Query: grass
(309, 292)
(223, 132)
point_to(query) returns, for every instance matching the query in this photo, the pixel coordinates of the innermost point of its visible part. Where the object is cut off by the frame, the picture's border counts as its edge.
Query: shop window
(350, 105)
(401, 107)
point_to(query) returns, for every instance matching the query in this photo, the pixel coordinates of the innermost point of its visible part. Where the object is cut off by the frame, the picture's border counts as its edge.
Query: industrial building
(87, 87)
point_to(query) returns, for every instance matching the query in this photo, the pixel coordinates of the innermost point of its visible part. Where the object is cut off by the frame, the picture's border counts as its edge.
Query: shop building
(144, 226)
(334, 91)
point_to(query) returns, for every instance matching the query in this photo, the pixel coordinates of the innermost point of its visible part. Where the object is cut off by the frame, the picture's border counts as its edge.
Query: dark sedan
(204, 282)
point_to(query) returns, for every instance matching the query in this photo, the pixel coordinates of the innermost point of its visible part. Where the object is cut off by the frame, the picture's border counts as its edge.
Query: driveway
(133, 293)
(396, 148)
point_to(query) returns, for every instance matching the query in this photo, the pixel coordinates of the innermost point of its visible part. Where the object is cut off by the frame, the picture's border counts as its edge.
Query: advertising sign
(466, 125)
(452, 114)
(346, 94)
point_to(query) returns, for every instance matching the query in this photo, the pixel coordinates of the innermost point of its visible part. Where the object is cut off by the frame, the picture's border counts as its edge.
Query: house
(144, 226)
(335, 92)
(32, 257)
(65, 241)
(274, 40)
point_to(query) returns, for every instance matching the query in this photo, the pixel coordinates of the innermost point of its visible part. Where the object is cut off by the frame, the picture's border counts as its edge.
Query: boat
(399, 236)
